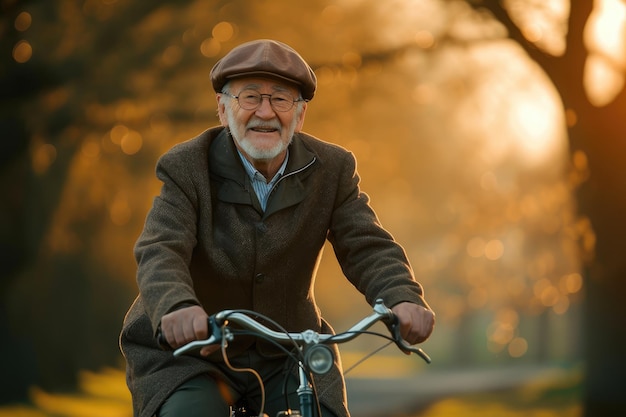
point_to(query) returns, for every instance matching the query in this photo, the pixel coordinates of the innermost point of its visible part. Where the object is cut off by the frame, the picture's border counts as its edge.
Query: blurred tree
(588, 69)
(19, 231)
(60, 307)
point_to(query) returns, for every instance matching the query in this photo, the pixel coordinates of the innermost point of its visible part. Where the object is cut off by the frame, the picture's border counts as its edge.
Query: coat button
(259, 278)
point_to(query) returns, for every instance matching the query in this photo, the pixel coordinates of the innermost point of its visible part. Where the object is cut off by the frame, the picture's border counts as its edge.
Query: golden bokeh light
(562, 305)
(605, 32)
(507, 315)
(535, 124)
(23, 21)
(118, 133)
(549, 296)
(571, 118)
(518, 347)
(571, 283)
(22, 52)
(210, 47)
(605, 37)
(501, 333)
(602, 79)
(532, 117)
(131, 143)
(494, 249)
(43, 156)
(584, 229)
(513, 115)
(223, 31)
(580, 160)
(128, 140)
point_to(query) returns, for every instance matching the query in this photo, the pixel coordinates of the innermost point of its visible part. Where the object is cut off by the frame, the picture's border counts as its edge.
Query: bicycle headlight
(319, 359)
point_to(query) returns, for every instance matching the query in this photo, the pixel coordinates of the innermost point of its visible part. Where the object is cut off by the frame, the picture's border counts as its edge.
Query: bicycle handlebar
(380, 313)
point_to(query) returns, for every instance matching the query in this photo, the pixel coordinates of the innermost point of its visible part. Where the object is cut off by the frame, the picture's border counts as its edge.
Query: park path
(369, 397)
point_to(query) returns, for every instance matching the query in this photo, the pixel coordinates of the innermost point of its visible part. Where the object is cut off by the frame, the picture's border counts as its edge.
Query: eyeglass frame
(269, 98)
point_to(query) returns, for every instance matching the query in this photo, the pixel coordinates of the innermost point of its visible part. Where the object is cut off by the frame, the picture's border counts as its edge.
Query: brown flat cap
(265, 57)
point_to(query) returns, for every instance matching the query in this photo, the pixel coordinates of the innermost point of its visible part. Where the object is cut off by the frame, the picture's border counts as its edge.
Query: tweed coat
(206, 241)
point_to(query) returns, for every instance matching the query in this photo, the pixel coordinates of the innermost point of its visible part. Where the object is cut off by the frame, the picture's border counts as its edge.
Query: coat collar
(225, 165)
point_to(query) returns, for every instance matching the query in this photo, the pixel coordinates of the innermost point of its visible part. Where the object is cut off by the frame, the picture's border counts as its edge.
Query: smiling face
(262, 134)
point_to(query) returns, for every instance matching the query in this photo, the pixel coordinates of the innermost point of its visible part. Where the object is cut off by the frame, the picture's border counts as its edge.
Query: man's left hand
(416, 322)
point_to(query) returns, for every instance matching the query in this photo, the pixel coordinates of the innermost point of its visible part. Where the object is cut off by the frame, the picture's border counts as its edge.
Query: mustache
(264, 124)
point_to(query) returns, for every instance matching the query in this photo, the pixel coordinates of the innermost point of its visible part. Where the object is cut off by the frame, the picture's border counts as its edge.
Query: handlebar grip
(162, 341)
(214, 331)
(394, 327)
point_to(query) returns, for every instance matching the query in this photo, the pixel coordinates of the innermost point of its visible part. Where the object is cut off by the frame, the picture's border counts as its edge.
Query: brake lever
(394, 328)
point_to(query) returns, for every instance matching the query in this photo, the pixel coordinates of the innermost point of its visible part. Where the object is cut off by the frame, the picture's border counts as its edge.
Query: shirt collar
(254, 173)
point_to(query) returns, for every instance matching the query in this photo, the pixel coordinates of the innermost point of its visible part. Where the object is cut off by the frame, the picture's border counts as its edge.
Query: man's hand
(416, 322)
(186, 325)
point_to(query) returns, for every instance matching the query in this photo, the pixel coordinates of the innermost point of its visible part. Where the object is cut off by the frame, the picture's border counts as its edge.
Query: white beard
(248, 146)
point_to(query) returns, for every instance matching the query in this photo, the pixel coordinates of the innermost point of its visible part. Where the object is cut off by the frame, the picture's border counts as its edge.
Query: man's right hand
(186, 325)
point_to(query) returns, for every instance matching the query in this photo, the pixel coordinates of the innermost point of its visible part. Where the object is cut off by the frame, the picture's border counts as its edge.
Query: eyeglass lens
(251, 99)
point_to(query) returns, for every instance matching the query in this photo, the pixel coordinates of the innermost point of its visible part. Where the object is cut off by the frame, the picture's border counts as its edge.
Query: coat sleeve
(164, 248)
(368, 254)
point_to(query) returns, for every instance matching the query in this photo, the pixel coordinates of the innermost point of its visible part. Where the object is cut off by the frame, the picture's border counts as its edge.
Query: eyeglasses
(252, 99)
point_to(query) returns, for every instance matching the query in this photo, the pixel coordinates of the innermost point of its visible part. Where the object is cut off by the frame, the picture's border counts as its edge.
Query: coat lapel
(226, 169)
(290, 189)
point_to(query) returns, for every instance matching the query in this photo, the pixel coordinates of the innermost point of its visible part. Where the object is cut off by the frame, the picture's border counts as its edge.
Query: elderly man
(240, 222)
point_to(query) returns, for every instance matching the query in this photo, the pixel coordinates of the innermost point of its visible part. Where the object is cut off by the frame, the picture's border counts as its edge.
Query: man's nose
(265, 108)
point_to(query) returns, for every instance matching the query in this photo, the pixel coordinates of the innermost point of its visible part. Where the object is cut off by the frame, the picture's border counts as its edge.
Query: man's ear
(300, 121)
(221, 110)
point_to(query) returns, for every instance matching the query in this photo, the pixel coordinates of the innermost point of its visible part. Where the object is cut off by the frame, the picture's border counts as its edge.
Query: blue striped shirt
(262, 188)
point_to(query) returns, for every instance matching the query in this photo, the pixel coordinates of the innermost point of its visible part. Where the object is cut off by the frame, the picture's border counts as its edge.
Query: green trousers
(212, 396)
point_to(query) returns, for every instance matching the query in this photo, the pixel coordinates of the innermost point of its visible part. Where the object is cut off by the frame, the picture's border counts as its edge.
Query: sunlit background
(462, 141)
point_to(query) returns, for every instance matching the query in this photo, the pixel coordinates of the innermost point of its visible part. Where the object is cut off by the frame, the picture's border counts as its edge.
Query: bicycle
(310, 350)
